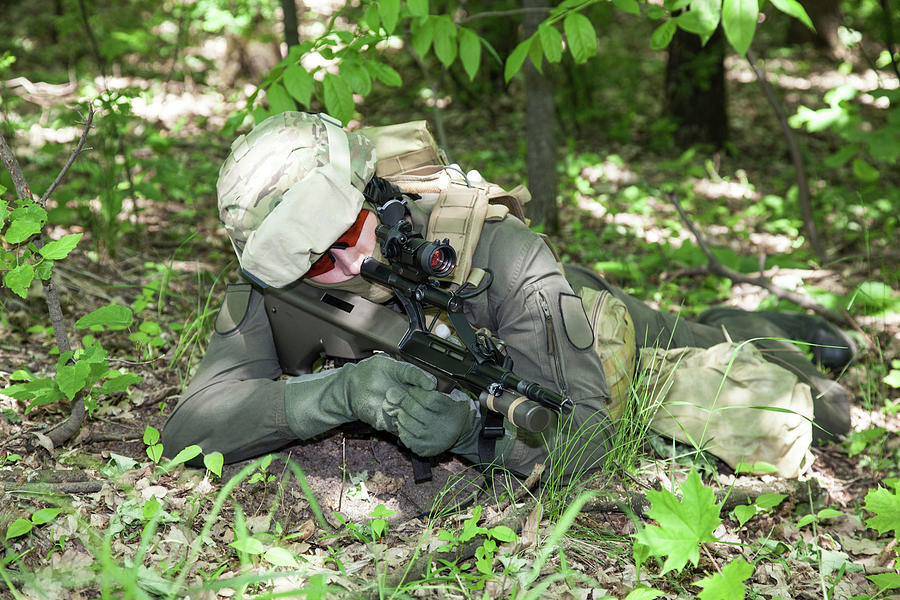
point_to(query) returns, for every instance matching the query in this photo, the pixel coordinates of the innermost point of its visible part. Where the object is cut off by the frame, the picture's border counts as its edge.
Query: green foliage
(683, 524)
(21, 527)
(764, 503)
(885, 504)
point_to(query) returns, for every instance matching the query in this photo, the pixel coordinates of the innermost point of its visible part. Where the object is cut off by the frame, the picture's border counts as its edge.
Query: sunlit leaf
(629, 6)
(17, 528)
(280, 557)
(279, 100)
(886, 506)
(338, 98)
(59, 249)
(683, 524)
(581, 37)
(389, 10)
(515, 60)
(298, 83)
(469, 51)
(384, 73)
(72, 378)
(214, 461)
(551, 42)
(44, 515)
(794, 9)
(739, 22)
(19, 279)
(186, 454)
(662, 35)
(445, 45)
(423, 35)
(417, 8)
(248, 545)
(151, 435)
(727, 585)
(111, 316)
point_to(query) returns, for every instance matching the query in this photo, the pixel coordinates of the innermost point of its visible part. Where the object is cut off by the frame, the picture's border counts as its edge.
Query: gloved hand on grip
(390, 396)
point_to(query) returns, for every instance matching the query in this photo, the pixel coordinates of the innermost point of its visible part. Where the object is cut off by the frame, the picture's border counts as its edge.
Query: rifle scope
(419, 257)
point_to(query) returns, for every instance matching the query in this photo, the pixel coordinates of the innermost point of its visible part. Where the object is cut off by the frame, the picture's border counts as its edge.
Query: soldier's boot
(831, 347)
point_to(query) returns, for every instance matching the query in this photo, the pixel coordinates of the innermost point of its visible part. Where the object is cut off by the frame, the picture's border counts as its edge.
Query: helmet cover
(288, 189)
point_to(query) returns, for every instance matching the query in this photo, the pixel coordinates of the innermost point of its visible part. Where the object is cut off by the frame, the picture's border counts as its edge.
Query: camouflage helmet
(288, 189)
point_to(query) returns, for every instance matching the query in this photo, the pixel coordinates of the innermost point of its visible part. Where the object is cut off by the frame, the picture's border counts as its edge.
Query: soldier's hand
(401, 398)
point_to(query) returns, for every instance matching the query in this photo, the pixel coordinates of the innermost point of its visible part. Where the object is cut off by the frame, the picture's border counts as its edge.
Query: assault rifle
(349, 327)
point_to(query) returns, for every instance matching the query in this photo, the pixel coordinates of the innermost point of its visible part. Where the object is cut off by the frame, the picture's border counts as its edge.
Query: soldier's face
(347, 261)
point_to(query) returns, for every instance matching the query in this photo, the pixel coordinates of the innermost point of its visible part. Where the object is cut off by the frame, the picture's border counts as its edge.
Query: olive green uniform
(236, 404)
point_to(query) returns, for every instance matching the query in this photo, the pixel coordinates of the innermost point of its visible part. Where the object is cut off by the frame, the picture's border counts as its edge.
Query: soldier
(291, 196)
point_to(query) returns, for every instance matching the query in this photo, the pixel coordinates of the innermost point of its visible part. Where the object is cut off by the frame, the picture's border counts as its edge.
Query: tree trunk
(695, 89)
(291, 31)
(540, 134)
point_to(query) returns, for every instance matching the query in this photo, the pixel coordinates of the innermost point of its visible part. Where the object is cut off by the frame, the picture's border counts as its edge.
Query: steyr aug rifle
(349, 327)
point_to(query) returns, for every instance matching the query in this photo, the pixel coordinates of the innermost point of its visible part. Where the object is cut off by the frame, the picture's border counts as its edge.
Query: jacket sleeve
(234, 404)
(531, 306)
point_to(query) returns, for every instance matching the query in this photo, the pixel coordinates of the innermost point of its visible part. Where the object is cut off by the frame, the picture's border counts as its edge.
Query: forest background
(695, 152)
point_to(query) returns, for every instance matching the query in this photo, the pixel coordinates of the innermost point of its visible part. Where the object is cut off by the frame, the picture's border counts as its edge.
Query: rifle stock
(349, 327)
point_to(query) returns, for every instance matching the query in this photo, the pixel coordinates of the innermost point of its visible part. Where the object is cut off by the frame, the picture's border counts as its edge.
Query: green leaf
(151, 508)
(59, 249)
(120, 383)
(112, 317)
(298, 83)
(22, 229)
(864, 171)
(72, 378)
(154, 452)
(893, 379)
(503, 533)
(884, 581)
(214, 461)
(886, 506)
(19, 279)
(151, 435)
(744, 512)
(662, 35)
(643, 593)
(515, 60)
(729, 584)
(702, 19)
(551, 42)
(338, 98)
(371, 19)
(629, 6)
(389, 10)
(18, 528)
(279, 100)
(4, 208)
(739, 22)
(581, 37)
(445, 40)
(829, 513)
(469, 51)
(683, 525)
(384, 73)
(185, 455)
(423, 35)
(44, 516)
(280, 557)
(757, 467)
(248, 545)
(536, 53)
(768, 501)
(805, 520)
(418, 8)
(356, 76)
(794, 9)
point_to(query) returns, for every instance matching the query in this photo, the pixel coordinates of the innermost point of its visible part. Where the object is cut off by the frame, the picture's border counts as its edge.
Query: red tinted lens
(324, 264)
(348, 239)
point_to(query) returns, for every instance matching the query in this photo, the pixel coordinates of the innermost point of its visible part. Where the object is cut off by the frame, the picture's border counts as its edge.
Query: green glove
(390, 396)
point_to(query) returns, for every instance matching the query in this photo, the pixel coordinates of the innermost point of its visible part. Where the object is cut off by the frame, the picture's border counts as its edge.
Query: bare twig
(803, 195)
(490, 14)
(86, 123)
(717, 268)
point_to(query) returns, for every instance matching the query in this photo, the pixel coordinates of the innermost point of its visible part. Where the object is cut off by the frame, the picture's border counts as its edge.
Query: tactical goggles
(348, 239)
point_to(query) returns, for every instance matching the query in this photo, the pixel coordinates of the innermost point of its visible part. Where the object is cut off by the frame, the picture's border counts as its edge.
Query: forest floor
(102, 482)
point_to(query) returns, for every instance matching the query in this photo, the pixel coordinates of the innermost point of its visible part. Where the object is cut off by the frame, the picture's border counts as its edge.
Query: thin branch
(504, 13)
(78, 150)
(717, 268)
(12, 165)
(803, 195)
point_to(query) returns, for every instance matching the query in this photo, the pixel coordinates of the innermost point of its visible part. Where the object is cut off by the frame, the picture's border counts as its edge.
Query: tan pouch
(613, 341)
(403, 147)
(729, 401)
